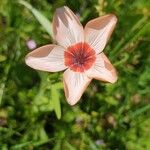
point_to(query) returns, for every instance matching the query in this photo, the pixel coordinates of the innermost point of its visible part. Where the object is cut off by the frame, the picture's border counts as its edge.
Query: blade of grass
(132, 38)
(18, 146)
(139, 33)
(69, 146)
(41, 18)
(30, 143)
(140, 111)
(137, 26)
(2, 85)
(56, 101)
(136, 113)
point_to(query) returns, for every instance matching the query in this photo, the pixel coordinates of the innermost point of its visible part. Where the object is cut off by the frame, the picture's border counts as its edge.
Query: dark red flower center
(79, 57)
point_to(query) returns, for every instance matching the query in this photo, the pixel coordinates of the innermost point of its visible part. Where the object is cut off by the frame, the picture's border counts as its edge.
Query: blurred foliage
(108, 116)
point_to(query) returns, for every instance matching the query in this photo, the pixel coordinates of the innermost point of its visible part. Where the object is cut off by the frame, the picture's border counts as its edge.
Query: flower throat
(79, 57)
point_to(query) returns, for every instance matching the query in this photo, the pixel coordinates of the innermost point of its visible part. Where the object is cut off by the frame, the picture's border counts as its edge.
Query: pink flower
(31, 44)
(79, 51)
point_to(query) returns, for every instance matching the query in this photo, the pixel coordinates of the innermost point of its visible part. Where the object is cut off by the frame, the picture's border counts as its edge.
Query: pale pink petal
(99, 30)
(103, 70)
(75, 84)
(47, 58)
(67, 28)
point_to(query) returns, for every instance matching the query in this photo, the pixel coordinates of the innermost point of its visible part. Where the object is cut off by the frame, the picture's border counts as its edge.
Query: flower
(31, 44)
(79, 51)
(99, 142)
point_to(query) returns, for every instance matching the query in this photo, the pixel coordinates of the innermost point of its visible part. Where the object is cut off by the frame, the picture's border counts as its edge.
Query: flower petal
(99, 30)
(47, 58)
(67, 28)
(103, 70)
(75, 84)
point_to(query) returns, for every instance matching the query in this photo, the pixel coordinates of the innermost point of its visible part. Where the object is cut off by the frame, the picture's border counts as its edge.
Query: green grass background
(34, 114)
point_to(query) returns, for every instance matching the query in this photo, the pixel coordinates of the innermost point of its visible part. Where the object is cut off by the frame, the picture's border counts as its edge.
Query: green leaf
(56, 101)
(2, 58)
(42, 19)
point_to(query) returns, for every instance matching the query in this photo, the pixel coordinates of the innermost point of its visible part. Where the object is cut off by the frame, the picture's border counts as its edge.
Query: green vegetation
(34, 113)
